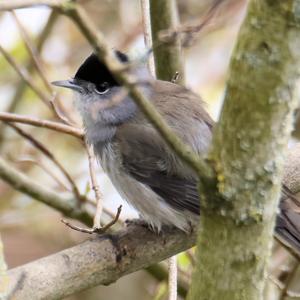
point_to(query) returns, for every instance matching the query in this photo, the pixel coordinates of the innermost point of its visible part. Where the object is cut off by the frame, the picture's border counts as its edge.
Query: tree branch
(26, 77)
(167, 54)
(67, 205)
(10, 117)
(41, 147)
(101, 260)
(30, 64)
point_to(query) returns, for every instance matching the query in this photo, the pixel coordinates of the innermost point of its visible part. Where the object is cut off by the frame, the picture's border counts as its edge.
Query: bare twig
(37, 63)
(33, 52)
(21, 85)
(38, 145)
(25, 76)
(188, 31)
(147, 33)
(65, 204)
(167, 54)
(172, 262)
(98, 230)
(58, 112)
(10, 117)
(46, 170)
(289, 279)
(95, 187)
(276, 282)
(29, 66)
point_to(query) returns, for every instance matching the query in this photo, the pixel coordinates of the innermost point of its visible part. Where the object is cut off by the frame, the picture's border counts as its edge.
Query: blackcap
(143, 168)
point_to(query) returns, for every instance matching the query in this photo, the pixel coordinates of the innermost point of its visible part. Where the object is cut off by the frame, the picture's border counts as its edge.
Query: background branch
(167, 54)
(167, 58)
(10, 117)
(41, 147)
(65, 204)
(21, 85)
(26, 77)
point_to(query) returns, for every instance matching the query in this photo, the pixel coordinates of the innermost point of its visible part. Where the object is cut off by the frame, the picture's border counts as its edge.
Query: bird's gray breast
(152, 208)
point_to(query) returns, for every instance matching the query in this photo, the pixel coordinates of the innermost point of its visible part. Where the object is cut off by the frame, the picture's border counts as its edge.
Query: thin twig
(289, 279)
(190, 30)
(46, 170)
(172, 263)
(32, 52)
(10, 117)
(58, 112)
(21, 85)
(37, 63)
(95, 187)
(276, 282)
(68, 205)
(38, 145)
(99, 230)
(29, 65)
(147, 33)
(25, 76)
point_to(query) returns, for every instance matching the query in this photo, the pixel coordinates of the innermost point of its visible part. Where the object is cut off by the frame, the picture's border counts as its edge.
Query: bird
(143, 168)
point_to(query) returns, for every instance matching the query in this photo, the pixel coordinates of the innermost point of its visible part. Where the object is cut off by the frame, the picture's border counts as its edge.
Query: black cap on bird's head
(94, 71)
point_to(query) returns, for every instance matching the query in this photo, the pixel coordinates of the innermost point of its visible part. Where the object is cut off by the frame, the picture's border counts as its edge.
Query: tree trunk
(248, 150)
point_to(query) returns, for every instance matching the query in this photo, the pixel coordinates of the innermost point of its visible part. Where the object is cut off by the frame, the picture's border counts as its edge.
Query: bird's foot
(137, 222)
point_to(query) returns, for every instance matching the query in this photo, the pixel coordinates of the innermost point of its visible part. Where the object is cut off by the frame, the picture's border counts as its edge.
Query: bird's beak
(69, 84)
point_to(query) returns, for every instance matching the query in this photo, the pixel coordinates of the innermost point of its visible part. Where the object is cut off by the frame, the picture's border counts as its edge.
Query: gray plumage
(144, 170)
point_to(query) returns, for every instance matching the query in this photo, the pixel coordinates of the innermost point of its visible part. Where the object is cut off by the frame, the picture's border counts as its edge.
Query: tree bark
(101, 260)
(249, 147)
(167, 55)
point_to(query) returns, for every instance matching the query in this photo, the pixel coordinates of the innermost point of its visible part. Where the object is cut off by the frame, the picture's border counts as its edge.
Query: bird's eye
(102, 88)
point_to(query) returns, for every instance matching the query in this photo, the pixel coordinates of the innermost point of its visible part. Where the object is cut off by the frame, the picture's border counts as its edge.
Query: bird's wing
(287, 228)
(180, 193)
(145, 157)
(148, 159)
